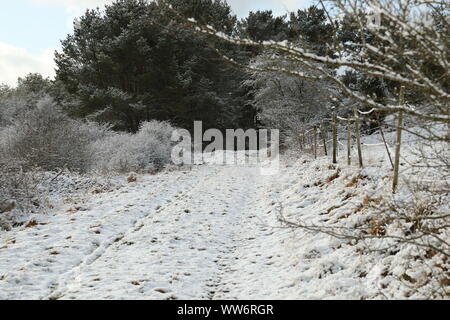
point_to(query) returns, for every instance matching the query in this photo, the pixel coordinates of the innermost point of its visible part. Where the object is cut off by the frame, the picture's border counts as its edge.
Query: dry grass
(377, 227)
(348, 196)
(31, 223)
(334, 208)
(334, 176)
(368, 200)
(355, 180)
(132, 178)
(73, 209)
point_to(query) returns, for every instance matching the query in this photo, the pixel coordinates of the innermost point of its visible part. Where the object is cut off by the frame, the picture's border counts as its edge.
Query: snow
(213, 232)
(35, 262)
(167, 236)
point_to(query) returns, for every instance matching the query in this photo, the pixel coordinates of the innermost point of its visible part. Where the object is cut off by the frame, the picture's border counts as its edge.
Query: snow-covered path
(201, 234)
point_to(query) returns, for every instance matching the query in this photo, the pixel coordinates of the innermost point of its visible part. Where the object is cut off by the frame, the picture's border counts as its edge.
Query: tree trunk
(324, 137)
(398, 143)
(335, 142)
(358, 137)
(349, 142)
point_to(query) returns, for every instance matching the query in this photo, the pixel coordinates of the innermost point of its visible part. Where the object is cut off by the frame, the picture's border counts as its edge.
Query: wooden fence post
(358, 137)
(324, 137)
(398, 142)
(335, 142)
(349, 141)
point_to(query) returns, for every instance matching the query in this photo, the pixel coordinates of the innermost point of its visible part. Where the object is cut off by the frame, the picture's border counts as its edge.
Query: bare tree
(409, 47)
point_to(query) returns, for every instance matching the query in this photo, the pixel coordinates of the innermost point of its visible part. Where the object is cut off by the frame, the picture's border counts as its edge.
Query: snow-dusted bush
(153, 144)
(38, 141)
(11, 107)
(146, 151)
(46, 138)
(112, 154)
(19, 192)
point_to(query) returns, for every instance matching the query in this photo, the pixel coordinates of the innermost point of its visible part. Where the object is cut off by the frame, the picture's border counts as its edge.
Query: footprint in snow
(162, 290)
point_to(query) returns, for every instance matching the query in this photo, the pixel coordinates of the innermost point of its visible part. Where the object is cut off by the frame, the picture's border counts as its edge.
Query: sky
(31, 30)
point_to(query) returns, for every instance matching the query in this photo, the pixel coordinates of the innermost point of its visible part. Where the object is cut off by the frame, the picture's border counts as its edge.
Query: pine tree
(137, 61)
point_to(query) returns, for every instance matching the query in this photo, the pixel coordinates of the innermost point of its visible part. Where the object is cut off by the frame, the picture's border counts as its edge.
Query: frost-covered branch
(403, 50)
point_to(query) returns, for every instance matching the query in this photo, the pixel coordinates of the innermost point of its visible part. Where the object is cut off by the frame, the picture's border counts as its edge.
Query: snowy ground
(212, 232)
(198, 234)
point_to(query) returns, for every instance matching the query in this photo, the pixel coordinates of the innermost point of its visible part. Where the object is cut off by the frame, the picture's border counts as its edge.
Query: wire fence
(353, 132)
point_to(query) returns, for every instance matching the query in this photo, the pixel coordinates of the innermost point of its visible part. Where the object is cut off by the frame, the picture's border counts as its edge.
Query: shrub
(153, 144)
(19, 193)
(146, 151)
(38, 140)
(112, 154)
(44, 137)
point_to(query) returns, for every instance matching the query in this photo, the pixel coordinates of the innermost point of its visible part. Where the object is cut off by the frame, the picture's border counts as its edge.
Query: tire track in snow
(181, 251)
(192, 238)
(35, 265)
(69, 279)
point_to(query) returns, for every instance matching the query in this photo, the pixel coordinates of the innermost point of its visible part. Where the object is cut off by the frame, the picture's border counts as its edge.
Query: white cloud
(241, 7)
(293, 4)
(289, 5)
(74, 3)
(17, 62)
(74, 8)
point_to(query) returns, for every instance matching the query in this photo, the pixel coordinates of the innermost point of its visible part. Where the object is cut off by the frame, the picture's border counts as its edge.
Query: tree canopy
(135, 61)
